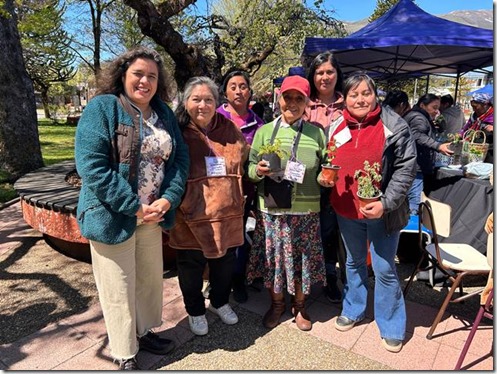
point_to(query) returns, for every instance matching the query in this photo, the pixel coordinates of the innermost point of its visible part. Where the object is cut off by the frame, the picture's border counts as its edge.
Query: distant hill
(477, 18)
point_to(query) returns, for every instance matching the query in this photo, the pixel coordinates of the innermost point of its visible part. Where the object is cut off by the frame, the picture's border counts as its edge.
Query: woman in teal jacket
(133, 165)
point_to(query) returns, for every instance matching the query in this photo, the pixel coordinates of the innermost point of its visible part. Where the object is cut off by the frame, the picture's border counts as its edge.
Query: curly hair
(110, 80)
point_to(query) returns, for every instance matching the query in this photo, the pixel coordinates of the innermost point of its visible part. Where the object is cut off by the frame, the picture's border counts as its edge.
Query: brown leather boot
(272, 317)
(302, 319)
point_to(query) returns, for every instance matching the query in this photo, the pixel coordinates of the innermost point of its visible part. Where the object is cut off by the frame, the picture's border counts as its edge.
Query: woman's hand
(151, 213)
(489, 224)
(163, 204)
(261, 169)
(372, 210)
(325, 183)
(444, 149)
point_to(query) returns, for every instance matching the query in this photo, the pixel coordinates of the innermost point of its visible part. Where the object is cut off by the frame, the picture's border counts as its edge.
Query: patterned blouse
(155, 151)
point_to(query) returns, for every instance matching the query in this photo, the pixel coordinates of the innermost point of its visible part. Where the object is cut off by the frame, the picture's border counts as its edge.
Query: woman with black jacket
(420, 120)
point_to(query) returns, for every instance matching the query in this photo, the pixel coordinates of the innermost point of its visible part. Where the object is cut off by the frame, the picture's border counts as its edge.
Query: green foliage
(44, 42)
(268, 148)
(454, 138)
(368, 180)
(382, 6)
(263, 37)
(120, 29)
(331, 149)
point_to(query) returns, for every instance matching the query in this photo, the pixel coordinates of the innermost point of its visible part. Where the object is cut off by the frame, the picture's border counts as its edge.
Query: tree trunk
(45, 101)
(18, 120)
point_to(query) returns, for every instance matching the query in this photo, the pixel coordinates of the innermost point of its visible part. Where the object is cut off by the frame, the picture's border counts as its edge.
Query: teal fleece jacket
(108, 200)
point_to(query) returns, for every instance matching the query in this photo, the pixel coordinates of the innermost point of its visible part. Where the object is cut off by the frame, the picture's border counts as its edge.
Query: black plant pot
(457, 148)
(273, 161)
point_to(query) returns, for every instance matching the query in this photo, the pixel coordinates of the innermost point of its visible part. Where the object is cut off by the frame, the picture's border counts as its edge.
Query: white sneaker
(198, 324)
(227, 314)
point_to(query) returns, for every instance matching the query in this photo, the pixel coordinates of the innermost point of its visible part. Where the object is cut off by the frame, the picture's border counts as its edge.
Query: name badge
(295, 171)
(215, 166)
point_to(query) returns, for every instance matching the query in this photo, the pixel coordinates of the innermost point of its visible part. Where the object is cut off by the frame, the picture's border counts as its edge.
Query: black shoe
(392, 345)
(332, 292)
(240, 294)
(154, 344)
(128, 364)
(344, 324)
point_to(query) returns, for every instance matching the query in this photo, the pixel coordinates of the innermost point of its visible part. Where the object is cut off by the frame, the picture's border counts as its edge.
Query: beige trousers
(129, 282)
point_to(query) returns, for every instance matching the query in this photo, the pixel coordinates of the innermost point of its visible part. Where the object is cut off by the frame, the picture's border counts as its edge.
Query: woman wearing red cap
(287, 249)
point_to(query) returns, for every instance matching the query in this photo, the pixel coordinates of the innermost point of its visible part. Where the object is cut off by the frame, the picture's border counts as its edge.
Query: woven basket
(472, 151)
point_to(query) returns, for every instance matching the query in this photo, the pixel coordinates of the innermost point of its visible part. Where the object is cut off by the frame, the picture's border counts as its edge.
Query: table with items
(471, 201)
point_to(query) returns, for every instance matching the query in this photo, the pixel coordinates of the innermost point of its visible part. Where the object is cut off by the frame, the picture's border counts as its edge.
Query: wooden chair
(455, 260)
(486, 309)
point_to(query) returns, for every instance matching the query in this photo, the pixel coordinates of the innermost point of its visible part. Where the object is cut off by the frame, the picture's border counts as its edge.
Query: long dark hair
(110, 80)
(318, 61)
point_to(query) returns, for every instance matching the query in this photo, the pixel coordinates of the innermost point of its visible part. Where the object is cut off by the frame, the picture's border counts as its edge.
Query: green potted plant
(272, 154)
(368, 182)
(329, 171)
(455, 145)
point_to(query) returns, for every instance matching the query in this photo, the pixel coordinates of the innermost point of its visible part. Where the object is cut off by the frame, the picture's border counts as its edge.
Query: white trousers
(129, 283)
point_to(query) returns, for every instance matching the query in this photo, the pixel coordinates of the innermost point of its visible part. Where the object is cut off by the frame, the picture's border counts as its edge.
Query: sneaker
(153, 343)
(392, 345)
(343, 323)
(198, 324)
(226, 314)
(128, 364)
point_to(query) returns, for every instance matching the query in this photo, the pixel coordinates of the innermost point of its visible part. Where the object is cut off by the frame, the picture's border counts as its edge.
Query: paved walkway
(79, 342)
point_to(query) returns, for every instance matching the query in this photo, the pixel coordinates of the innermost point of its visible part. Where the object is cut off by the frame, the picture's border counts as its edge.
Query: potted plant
(455, 145)
(329, 171)
(368, 183)
(272, 154)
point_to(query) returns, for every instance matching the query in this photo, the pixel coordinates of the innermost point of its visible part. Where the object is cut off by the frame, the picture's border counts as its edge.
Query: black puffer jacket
(398, 170)
(424, 134)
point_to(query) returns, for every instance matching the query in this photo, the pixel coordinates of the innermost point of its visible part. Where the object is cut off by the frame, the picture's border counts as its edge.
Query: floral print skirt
(286, 250)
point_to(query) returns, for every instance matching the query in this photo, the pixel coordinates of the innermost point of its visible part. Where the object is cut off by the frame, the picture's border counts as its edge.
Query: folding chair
(455, 260)
(485, 309)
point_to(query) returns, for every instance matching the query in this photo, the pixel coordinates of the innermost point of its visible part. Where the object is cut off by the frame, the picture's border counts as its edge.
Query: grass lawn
(57, 144)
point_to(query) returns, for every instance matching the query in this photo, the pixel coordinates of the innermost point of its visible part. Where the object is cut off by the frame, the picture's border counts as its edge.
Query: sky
(356, 10)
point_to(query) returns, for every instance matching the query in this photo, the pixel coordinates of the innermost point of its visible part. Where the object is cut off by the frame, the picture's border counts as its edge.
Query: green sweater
(311, 152)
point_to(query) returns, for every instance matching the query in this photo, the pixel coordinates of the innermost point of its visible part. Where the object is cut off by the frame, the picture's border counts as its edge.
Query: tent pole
(457, 87)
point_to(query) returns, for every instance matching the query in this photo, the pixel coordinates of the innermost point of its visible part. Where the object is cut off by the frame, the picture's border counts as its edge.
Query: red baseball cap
(296, 82)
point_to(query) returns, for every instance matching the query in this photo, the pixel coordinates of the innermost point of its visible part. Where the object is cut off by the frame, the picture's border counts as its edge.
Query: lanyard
(296, 140)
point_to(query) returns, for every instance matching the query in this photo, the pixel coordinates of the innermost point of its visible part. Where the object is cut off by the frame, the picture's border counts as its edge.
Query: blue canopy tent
(407, 40)
(294, 70)
(488, 89)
